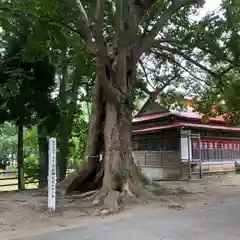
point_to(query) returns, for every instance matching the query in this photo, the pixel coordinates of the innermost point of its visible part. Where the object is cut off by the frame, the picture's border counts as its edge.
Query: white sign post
(52, 174)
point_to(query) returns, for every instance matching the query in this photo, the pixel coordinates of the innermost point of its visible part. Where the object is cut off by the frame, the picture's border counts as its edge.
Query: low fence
(9, 180)
(167, 165)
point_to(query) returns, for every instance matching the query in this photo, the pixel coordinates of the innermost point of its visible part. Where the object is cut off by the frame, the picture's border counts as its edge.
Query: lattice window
(135, 144)
(166, 144)
(142, 144)
(153, 144)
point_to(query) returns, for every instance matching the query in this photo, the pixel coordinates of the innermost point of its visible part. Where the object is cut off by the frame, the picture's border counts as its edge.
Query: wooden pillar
(185, 149)
(189, 158)
(200, 157)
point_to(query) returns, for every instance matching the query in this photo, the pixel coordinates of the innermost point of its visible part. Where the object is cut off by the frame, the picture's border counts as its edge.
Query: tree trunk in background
(66, 126)
(63, 149)
(20, 157)
(43, 157)
(63, 128)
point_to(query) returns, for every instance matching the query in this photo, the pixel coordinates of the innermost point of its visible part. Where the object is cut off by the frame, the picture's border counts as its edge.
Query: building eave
(183, 114)
(182, 124)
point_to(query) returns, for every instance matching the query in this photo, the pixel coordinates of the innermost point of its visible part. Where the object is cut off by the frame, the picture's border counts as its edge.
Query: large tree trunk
(111, 122)
(109, 133)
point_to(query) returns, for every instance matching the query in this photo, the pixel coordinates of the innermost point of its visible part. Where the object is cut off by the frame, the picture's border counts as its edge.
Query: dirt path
(25, 213)
(209, 222)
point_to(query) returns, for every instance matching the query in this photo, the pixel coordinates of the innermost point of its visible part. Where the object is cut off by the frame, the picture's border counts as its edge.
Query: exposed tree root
(135, 188)
(112, 200)
(82, 195)
(109, 199)
(76, 178)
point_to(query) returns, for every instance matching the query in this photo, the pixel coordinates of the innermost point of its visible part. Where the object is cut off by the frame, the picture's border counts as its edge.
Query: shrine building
(174, 144)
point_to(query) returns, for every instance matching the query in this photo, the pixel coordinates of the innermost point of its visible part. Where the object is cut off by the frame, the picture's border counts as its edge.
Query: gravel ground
(214, 222)
(209, 213)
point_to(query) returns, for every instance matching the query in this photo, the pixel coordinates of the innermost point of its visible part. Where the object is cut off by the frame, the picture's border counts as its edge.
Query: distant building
(174, 144)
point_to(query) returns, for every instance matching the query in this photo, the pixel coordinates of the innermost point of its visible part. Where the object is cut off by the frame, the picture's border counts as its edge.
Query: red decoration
(189, 102)
(220, 143)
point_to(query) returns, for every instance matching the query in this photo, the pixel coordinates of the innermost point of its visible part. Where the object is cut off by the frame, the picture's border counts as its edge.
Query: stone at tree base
(105, 212)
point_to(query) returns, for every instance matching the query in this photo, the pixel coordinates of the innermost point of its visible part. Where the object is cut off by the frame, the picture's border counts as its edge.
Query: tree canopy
(27, 85)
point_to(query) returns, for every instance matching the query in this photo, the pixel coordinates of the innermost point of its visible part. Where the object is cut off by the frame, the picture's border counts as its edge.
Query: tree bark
(116, 175)
(67, 124)
(43, 158)
(64, 128)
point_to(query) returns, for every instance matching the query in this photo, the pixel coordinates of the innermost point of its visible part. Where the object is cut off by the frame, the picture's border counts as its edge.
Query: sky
(210, 5)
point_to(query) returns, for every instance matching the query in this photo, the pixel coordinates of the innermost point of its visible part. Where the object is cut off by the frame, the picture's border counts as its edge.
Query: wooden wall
(159, 165)
(157, 158)
(165, 140)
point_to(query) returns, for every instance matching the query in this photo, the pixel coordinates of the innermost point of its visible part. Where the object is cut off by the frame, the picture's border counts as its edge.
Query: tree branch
(83, 12)
(166, 16)
(184, 46)
(171, 59)
(183, 55)
(81, 23)
(98, 30)
(228, 69)
(101, 51)
(194, 62)
(103, 60)
(153, 95)
(145, 73)
(133, 19)
(167, 83)
(122, 41)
